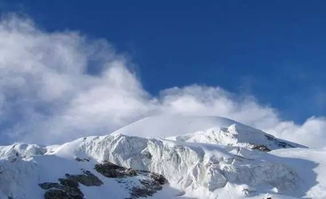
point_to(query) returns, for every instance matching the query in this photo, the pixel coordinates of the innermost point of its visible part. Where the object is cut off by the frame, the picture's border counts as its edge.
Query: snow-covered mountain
(166, 156)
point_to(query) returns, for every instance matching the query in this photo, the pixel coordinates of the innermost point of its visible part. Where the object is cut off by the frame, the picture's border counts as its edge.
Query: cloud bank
(57, 86)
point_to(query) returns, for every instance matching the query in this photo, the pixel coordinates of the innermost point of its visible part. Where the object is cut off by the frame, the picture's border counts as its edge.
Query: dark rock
(111, 170)
(159, 178)
(56, 194)
(138, 192)
(148, 155)
(71, 187)
(61, 194)
(87, 179)
(67, 189)
(82, 159)
(279, 142)
(147, 188)
(284, 144)
(261, 148)
(74, 192)
(49, 185)
(269, 137)
(150, 182)
(68, 182)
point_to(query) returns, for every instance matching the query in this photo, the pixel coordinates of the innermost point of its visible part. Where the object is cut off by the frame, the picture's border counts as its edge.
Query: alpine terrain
(166, 156)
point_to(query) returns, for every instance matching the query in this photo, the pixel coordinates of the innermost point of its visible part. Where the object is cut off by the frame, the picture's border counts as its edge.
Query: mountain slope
(209, 130)
(217, 158)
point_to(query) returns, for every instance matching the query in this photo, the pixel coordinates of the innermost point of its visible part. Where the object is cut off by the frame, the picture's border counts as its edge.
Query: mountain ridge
(221, 161)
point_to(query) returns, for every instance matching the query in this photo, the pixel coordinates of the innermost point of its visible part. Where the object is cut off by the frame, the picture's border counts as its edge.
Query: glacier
(200, 157)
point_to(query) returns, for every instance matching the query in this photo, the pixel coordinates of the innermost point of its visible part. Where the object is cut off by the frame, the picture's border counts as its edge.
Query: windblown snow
(166, 156)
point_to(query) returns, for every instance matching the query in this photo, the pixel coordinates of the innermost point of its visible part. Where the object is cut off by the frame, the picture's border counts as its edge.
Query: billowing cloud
(202, 100)
(57, 86)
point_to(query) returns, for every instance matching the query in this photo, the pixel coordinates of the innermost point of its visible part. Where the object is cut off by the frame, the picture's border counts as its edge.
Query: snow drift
(200, 157)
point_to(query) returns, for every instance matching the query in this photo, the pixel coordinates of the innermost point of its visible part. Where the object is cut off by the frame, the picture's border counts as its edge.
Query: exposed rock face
(111, 170)
(87, 179)
(68, 188)
(49, 185)
(280, 143)
(148, 186)
(160, 179)
(56, 194)
(82, 159)
(185, 164)
(261, 148)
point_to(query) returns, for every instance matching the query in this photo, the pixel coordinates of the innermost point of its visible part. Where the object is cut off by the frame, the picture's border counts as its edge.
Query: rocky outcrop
(58, 194)
(146, 183)
(149, 183)
(148, 186)
(68, 188)
(111, 170)
(81, 159)
(261, 148)
(65, 189)
(87, 179)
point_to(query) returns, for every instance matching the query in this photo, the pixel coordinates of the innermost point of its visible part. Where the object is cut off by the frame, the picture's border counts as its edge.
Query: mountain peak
(203, 129)
(164, 156)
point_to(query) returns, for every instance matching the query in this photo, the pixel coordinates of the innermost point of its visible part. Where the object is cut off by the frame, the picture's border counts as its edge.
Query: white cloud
(47, 92)
(311, 133)
(202, 100)
(59, 86)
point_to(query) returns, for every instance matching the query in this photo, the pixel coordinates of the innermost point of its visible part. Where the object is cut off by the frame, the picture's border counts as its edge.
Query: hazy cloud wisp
(50, 92)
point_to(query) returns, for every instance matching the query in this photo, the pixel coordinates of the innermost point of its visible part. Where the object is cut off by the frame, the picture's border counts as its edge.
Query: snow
(310, 164)
(202, 157)
(172, 125)
(213, 130)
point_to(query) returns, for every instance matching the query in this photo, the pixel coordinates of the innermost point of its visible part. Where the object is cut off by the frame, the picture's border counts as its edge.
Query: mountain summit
(200, 129)
(165, 156)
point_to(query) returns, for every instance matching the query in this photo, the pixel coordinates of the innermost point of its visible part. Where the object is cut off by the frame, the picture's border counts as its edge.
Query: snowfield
(166, 156)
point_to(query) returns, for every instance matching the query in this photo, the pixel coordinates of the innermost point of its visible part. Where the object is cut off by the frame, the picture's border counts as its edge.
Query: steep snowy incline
(218, 160)
(310, 164)
(172, 125)
(209, 130)
(201, 170)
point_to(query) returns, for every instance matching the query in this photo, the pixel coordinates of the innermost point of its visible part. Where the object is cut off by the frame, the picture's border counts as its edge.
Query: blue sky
(274, 50)
(67, 67)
